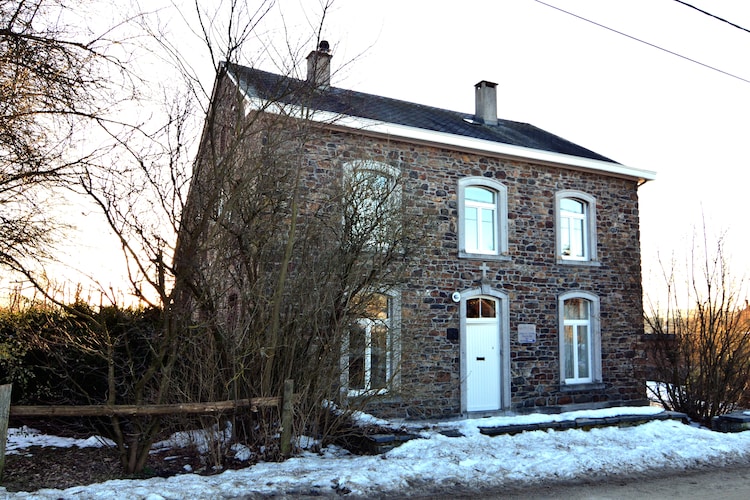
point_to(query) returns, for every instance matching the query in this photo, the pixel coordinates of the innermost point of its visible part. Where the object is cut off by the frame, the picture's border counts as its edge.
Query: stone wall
(531, 276)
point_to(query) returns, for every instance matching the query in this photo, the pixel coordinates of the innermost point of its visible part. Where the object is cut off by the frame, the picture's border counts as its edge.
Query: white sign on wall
(526, 333)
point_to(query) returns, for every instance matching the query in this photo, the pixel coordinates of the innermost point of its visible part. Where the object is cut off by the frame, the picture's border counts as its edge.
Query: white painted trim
(491, 147)
(595, 330)
(501, 216)
(393, 352)
(591, 242)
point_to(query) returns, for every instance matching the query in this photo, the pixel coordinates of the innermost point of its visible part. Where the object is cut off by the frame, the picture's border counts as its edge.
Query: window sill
(484, 256)
(362, 393)
(383, 396)
(587, 386)
(574, 262)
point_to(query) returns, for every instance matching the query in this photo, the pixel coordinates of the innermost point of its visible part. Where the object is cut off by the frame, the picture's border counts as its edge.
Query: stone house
(526, 292)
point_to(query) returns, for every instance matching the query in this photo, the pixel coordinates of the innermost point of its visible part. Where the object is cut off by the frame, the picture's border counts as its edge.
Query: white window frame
(589, 242)
(500, 213)
(392, 354)
(594, 340)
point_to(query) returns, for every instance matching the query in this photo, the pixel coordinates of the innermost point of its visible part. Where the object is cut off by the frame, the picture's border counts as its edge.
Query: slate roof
(265, 85)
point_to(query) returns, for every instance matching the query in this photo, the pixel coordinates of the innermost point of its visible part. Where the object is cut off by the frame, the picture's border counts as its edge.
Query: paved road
(729, 483)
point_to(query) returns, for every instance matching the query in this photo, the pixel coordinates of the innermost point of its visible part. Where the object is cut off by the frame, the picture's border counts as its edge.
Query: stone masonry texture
(532, 276)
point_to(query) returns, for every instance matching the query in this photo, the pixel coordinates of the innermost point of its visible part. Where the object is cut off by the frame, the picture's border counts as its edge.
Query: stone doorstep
(375, 444)
(380, 443)
(583, 423)
(731, 422)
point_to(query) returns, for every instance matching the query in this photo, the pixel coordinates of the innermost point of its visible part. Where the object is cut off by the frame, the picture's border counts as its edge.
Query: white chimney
(319, 65)
(486, 102)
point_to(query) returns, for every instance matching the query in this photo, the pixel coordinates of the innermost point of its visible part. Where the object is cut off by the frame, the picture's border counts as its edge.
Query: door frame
(504, 325)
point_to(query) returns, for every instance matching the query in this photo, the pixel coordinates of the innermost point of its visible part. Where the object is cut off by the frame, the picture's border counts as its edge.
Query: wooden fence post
(4, 413)
(287, 420)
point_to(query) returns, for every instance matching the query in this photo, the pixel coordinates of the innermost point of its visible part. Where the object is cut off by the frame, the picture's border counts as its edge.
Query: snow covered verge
(471, 461)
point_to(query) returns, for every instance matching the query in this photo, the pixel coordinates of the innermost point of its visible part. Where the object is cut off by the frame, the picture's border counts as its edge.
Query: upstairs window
(480, 217)
(483, 217)
(573, 237)
(576, 226)
(372, 203)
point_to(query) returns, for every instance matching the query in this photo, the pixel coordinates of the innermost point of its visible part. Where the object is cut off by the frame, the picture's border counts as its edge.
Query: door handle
(480, 359)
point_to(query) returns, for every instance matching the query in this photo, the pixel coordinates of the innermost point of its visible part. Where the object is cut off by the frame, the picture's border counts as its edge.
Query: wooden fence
(286, 403)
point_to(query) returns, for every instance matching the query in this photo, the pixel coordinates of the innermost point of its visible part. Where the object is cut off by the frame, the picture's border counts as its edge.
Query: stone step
(731, 422)
(375, 444)
(583, 423)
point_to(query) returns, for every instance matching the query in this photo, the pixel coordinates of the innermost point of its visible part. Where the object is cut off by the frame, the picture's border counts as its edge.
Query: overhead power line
(712, 15)
(645, 42)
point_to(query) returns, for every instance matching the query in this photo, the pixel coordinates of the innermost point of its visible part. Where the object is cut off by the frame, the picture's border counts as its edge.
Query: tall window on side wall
(580, 340)
(576, 226)
(371, 351)
(483, 218)
(372, 201)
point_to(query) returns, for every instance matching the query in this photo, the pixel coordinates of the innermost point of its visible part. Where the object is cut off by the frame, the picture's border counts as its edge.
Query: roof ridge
(265, 84)
(394, 99)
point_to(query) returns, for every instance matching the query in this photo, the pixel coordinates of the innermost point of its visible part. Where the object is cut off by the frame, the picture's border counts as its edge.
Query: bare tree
(270, 275)
(52, 84)
(281, 275)
(699, 342)
(61, 86)
(277, 260)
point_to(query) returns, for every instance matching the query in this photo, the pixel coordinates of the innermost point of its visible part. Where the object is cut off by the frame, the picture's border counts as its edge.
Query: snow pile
(25, 437)
(471, 427)
(201, 440)
(473, 461)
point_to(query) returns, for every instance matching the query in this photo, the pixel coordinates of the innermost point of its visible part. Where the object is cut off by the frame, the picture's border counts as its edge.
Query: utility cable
(712, 15)
(645, 42)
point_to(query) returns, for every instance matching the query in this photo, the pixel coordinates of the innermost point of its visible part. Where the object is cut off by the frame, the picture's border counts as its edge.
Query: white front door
(482, 354)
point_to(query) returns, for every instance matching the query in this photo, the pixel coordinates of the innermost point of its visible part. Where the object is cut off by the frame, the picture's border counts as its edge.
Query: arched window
(372, 200)
(483, 218)
(580, 339)
(576, 226)
(481, 308)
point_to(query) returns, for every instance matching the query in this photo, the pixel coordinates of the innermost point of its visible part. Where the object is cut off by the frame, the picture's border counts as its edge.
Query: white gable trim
(443, 139)
(484, 147)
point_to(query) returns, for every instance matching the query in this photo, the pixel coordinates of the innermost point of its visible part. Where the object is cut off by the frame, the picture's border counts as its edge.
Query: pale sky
(629, 101)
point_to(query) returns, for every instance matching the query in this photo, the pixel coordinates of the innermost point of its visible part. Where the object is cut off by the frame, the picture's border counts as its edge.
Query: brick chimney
(486, 102)
(319, 65)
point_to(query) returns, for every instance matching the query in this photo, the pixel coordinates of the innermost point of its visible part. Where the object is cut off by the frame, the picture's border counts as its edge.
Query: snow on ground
(474, 460)
(24, 437)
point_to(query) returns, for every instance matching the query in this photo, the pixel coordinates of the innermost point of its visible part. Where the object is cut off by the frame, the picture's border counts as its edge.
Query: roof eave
(485, 147)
